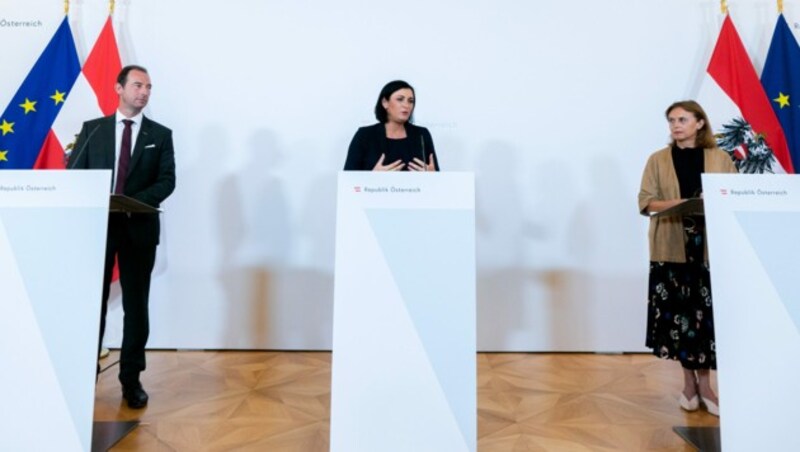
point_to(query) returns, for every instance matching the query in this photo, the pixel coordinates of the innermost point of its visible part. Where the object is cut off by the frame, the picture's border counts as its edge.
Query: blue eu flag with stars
(29, 116)
(781, 81)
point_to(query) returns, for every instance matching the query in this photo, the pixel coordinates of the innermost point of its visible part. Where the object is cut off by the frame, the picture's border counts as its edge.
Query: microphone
(424, 157)
(80, 151)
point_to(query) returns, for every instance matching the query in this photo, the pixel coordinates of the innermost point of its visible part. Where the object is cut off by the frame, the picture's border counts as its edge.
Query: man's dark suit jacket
(151, 174)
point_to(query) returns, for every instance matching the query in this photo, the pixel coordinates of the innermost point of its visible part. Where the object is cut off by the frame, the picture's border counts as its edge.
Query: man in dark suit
(140, 153)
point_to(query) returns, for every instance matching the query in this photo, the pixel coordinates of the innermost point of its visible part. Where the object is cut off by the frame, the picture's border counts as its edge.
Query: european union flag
(783, 61)
(27, 120)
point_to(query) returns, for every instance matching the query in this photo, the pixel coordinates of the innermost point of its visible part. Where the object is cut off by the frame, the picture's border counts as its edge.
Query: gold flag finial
(111, 7)
(723, 6)
(780, 6)
(66, 6)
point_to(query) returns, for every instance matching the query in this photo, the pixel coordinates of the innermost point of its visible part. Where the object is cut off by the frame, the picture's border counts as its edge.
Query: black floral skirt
(680, 321)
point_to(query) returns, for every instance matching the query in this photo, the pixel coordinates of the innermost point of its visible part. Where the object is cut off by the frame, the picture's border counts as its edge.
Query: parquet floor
(280, 402)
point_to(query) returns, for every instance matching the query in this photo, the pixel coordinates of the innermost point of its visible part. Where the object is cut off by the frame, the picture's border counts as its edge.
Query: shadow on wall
(276, 276)
(556, 293)
(302, 305)
(566, 276)
(254, 240)
(499, 256)
(532, 294)
(605, 229)
(607, 236)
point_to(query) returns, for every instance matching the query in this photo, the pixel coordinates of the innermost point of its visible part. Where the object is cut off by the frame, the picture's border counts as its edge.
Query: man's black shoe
(135, 396)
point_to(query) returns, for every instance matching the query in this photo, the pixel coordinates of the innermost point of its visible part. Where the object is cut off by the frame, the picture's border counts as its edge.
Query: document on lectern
(126, 204)
(691, 206)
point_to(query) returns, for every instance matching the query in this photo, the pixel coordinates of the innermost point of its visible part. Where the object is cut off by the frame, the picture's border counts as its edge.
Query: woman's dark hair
(386, 93)
(705, 137)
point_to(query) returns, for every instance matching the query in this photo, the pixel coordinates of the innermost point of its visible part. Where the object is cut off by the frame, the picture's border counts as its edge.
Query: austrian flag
(93, 94)
(744, 121)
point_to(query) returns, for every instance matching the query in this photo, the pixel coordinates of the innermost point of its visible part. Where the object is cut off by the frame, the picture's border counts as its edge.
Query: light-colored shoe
(689, 404)
(711, 407)
(104, 353)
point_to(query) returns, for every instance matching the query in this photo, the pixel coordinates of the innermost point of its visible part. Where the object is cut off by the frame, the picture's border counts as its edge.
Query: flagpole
(723, 6)
(780, 6)
(66, 7)
(111, 4)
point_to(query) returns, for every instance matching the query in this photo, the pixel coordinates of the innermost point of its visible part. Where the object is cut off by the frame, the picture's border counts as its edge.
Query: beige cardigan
(660, 182)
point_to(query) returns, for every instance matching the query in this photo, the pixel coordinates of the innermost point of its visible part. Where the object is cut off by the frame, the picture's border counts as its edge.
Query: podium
(52, 246)
(754, 252)
(404, 339)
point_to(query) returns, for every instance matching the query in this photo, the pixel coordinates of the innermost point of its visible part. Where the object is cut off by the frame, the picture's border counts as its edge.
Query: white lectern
(52, 246)
(404, 341)
(753, 226)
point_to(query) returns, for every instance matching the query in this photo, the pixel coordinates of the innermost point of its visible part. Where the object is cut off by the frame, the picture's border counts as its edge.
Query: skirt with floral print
(680, 322)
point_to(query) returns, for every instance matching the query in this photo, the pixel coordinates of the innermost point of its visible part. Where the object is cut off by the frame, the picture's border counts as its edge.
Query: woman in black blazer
(393, 144)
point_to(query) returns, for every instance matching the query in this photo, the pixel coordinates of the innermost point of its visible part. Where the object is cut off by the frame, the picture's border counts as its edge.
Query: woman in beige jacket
(680, 322)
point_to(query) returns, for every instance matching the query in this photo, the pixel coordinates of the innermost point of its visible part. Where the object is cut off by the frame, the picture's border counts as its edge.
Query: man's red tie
(124, 157)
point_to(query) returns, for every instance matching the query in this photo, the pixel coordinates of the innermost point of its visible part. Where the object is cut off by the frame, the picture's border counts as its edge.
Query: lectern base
(705, 439)
(106, 434)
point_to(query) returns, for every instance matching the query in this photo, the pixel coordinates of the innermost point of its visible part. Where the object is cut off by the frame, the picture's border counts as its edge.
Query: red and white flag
(93, 94)
(739, 110)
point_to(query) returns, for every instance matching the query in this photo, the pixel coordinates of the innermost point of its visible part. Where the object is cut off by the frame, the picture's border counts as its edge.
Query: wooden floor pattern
(280, 402)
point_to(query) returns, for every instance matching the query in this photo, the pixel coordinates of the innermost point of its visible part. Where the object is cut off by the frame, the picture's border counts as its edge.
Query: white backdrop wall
(554, 105)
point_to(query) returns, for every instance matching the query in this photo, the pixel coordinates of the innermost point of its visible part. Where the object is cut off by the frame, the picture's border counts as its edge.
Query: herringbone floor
(280, 402)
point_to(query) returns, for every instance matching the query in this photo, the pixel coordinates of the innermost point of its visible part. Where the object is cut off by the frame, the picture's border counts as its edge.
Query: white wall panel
(554, 105)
